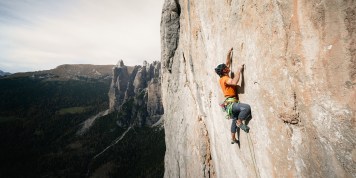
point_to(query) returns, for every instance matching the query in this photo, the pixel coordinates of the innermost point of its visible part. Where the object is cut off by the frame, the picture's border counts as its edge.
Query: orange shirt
(228, 90)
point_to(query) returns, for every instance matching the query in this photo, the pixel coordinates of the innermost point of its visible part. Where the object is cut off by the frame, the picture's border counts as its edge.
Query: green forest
(39, 120)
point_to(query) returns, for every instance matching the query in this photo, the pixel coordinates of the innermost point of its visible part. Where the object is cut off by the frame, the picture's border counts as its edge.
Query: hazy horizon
(41, 35)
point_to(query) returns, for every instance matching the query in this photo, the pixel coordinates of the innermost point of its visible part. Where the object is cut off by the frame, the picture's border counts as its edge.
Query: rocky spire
(140, 84)
(120, 63)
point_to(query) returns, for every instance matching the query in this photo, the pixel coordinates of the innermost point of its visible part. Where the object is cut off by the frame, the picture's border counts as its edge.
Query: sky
(43, 34)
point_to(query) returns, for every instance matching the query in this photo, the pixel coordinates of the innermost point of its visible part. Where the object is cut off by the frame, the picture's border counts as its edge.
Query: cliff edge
(299, 79)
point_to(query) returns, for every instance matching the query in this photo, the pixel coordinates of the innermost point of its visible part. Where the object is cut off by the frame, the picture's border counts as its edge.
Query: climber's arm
(235, 80)
(228, 58)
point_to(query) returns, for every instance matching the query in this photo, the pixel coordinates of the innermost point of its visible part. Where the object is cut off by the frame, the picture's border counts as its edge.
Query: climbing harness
(227, 106)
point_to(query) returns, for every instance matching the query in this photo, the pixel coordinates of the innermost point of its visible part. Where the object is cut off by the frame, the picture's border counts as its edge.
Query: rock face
(299, 79)
(137, 90)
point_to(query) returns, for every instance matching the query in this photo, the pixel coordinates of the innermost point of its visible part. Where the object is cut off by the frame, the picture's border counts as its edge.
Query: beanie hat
(219, 69)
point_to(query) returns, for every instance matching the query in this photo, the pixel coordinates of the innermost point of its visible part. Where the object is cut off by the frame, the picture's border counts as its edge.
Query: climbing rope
(252, 155)
(248, 135)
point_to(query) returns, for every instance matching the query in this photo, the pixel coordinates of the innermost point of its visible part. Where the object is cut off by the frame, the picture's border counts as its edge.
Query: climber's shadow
(240, 88)
(238, 136)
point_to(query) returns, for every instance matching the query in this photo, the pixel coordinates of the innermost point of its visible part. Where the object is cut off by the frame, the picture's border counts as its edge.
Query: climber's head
(222, 70)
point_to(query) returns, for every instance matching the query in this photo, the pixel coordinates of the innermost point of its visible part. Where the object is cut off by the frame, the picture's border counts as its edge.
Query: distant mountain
(2, 73)
(70, 71)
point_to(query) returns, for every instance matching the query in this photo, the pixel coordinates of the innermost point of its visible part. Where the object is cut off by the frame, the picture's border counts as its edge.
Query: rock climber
(236, 110)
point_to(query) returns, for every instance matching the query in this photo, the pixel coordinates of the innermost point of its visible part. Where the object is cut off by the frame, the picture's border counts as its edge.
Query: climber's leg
(233, 138)
(238, 121)
(242, 112)
(245, 111)
(233, 126)
(235, 113)
(233, 131)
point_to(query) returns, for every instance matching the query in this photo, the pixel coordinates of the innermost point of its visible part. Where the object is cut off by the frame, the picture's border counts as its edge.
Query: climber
(236, 110)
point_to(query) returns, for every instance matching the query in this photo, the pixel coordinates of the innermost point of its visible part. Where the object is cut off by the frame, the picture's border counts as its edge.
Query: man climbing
(235, 110)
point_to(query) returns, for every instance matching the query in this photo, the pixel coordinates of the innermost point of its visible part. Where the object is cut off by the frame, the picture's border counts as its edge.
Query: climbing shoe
(234, 141)
(244, 128)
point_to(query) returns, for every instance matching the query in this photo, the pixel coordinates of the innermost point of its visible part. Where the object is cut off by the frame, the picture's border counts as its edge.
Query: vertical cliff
(299, 79)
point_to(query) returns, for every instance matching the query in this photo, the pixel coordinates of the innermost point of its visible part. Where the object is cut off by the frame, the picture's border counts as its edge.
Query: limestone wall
(299, 79)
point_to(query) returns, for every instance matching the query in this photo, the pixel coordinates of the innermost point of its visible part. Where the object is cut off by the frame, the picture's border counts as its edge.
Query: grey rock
(137, 90)
(120, 63)
(169, 32)
(118, 86)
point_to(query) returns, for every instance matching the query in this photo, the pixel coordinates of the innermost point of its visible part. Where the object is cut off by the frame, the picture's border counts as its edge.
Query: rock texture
(137, 91)
(300, 80)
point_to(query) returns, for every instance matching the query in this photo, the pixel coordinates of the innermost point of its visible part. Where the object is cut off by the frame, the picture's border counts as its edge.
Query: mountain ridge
(2, 73)
(69, 71)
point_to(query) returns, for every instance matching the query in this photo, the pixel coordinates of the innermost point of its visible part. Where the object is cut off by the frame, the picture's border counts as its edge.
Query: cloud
(39, 35)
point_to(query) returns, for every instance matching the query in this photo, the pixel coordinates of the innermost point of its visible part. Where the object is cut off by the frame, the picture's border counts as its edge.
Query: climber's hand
(229, 58)
(230, 51)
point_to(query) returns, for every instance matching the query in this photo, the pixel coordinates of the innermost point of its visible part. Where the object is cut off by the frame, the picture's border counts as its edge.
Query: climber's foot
(244, 127)
(233, 141)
